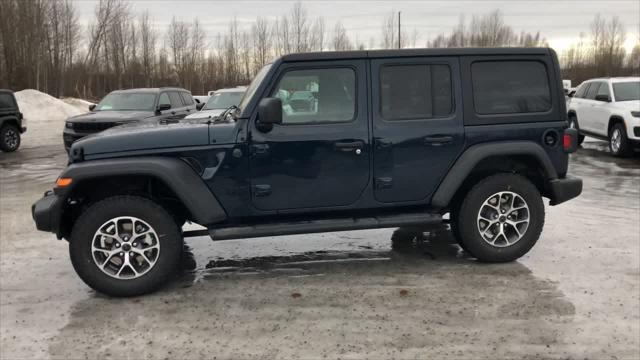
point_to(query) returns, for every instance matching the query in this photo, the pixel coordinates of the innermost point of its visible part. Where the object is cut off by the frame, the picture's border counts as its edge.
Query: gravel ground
(576, 295)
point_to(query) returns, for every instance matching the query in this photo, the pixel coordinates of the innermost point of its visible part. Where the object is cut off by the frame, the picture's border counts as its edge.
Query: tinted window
(126, 101)
(176, 101)
(415, 91)
(317, 96)
(6, 101)
(593, 90)
(187, 99)
(627, 91)
(164, 99)
(603, 90)
(503, 87)
(582, 90)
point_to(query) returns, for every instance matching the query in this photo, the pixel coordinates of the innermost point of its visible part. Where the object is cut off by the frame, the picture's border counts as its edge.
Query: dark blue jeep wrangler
(327, 142)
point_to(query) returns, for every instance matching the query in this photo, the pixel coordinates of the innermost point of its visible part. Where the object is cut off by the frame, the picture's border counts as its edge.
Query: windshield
(627, 91)
(127, 101)
(223, 100)
(254, 86)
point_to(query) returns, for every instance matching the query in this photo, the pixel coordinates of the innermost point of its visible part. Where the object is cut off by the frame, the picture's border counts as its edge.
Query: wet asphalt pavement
(349, 295)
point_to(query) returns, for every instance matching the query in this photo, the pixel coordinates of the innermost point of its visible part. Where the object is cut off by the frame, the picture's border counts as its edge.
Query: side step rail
(325, 225)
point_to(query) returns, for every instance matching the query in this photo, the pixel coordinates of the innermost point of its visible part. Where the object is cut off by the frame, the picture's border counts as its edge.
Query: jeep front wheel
(500, 218)
(125, 246)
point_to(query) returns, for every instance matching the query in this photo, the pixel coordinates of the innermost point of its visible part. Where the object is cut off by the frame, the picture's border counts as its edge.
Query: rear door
(587, 117)
(417, 126)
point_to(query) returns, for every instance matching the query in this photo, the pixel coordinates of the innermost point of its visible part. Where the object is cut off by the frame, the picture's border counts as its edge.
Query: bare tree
(341, 40)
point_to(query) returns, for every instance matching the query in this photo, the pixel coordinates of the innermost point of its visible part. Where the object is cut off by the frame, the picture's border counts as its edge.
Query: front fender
(174, 173)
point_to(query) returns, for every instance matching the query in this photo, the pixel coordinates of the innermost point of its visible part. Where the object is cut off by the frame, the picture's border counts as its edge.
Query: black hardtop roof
(6, 91)
(364, 54)
(149, 90)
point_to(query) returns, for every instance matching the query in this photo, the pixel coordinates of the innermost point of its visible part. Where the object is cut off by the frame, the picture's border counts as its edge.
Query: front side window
(603, 90)
(581, 92)
(415, 92)
(187, 99)
(317, 96)
(164, 99)
(593, 90)
(176, 101)
(223, 100)
(627, 91)
(507, 87)
(127, 102)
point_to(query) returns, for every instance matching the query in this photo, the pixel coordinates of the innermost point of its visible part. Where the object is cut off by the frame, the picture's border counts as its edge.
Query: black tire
(573, 123)
(626, 148)
(9, 138)
(169, 239)
(467, 219)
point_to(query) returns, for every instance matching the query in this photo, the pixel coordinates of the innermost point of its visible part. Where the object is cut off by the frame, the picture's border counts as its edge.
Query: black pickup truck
(11, 122)
(390, 138)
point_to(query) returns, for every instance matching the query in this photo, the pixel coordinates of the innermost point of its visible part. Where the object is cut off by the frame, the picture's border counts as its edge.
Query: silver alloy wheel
(503, 219)
(11, 138)
(125, 247)
(616, 140)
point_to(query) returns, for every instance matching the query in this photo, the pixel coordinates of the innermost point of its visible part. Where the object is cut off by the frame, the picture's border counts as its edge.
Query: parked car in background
(220, 101)
(200, 100)
(608, 109)
(126, 106)
(398, 139)
(12, 123)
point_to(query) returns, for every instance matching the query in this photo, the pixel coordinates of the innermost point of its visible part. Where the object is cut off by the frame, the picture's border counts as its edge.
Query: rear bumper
(564, 189)
(46, 212)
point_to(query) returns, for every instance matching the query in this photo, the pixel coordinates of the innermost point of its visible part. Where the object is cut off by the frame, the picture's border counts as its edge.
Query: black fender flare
(476, 153)
(175, 173)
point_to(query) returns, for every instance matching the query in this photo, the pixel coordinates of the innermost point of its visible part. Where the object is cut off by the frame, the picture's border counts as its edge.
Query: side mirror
(605, 98)
(270, 112)
(199, 106)
(92, 106)
(163, 107)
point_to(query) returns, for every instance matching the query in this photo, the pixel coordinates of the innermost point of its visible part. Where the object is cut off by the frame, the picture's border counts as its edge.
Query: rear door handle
(438, 140)
(348, 145)
(262, 190)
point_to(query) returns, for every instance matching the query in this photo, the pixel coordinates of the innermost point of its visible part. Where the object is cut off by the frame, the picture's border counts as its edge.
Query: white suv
(608, 108)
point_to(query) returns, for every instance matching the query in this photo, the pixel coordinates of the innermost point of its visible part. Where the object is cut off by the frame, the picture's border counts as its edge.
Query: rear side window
(415, 92)
(6, 101)
(176, 101)
(507, 87)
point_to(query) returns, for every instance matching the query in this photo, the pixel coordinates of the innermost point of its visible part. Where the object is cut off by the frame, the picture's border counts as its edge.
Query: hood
(108, 116)
(633, 105)
(143, 135)
(205, 114)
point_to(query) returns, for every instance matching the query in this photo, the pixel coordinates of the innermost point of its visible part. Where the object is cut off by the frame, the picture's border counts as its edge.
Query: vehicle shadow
(420, 297)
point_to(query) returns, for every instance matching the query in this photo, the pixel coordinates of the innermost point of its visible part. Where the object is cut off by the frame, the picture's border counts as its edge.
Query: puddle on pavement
(403, 295)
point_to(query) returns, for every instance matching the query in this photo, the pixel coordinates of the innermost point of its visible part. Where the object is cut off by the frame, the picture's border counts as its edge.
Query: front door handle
(262, 190)
(438, 140)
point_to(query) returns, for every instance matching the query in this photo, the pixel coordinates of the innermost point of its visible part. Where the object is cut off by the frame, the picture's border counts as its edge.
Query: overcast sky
(560, 22)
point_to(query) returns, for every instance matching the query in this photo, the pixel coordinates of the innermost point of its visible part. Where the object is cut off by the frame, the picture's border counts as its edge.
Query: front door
(417, 126)
(319, 156)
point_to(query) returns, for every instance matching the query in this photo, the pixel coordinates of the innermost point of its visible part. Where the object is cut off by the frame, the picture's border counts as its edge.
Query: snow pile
(45, 116)
(82, 105)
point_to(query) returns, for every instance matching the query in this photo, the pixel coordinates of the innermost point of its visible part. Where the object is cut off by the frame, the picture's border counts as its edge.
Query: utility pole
(399, 32)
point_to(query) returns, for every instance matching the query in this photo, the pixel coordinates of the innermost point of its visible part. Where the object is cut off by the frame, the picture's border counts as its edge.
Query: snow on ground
(45, 116)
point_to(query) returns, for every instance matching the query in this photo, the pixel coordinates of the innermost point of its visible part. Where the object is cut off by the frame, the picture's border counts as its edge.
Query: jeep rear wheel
(500, 218)
(9, 138)
(125, 246)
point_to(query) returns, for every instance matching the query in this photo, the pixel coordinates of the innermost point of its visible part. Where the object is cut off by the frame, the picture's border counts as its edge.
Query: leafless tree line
(43, 46)
(603, 55)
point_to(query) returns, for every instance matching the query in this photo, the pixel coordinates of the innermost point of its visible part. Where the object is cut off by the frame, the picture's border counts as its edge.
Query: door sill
(324, 225)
